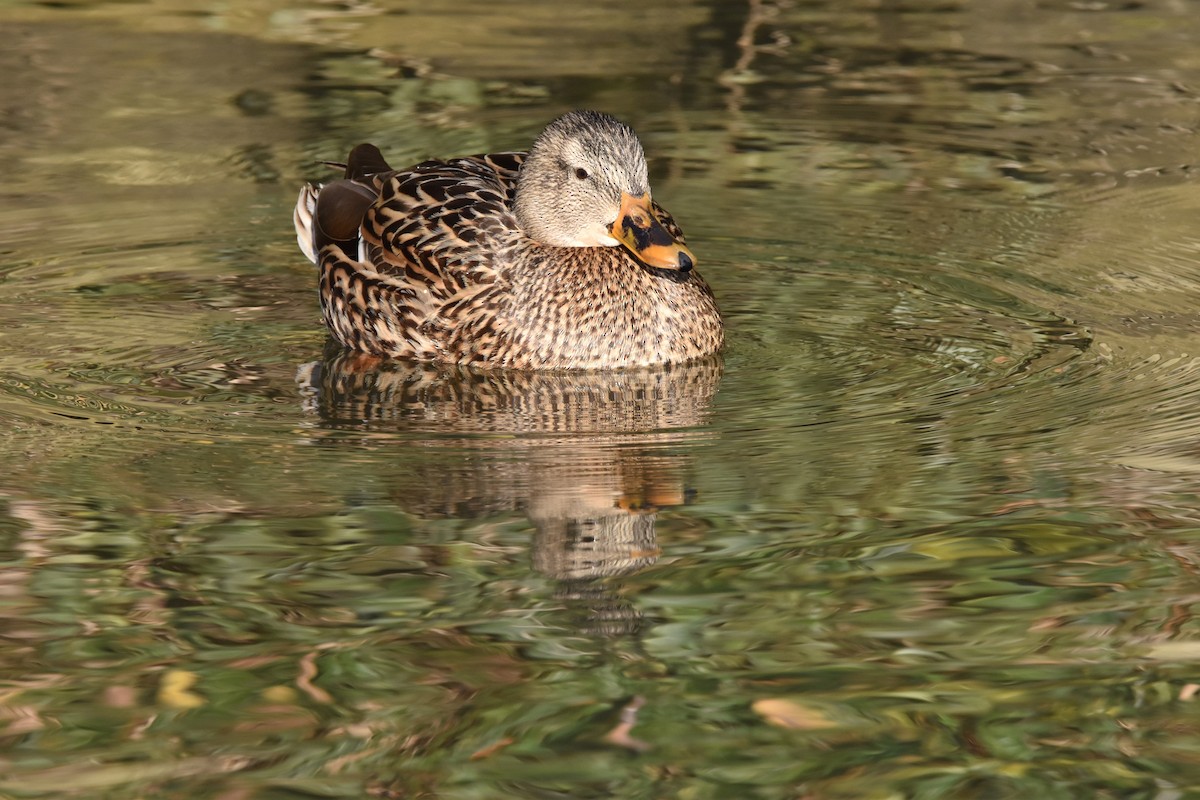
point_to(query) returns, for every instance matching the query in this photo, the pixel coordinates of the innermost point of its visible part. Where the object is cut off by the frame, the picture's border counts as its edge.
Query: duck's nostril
(685, 262)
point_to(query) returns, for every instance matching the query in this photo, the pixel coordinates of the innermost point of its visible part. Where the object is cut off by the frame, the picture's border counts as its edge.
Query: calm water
(929, 528)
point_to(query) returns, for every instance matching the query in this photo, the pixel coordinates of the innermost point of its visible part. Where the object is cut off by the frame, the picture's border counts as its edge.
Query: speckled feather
(442, 271)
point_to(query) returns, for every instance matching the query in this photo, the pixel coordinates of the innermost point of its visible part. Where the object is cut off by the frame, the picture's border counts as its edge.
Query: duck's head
(584, 184)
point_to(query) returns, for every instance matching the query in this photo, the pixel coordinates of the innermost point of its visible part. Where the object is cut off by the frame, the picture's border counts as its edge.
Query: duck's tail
(331, 214)
(302, 217)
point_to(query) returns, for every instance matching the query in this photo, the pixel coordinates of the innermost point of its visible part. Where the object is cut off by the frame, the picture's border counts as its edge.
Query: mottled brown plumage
(437, 262)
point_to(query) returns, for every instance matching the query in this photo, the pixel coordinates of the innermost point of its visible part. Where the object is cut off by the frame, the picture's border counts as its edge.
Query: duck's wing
(397, 249)
(440, 223)
(668, 222)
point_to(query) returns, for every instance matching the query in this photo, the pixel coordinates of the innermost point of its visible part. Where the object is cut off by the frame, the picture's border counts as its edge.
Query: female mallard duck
(556, 258)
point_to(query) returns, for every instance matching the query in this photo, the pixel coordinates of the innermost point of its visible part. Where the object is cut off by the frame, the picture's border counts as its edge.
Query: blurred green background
(925, 529)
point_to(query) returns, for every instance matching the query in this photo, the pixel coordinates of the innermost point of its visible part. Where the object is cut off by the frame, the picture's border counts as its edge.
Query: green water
(929, 528)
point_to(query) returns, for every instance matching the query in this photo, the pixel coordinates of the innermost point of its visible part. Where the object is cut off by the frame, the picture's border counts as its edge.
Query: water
(927, 528)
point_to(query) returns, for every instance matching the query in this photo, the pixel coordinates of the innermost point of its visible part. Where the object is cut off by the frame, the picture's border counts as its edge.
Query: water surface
(925, 528)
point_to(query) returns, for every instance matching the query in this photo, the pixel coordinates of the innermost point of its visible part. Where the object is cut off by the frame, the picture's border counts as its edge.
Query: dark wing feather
(365, 161)
(668, 222)
(338, 216)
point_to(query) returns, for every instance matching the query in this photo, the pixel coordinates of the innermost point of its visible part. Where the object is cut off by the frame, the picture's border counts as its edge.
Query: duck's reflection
(589, 457)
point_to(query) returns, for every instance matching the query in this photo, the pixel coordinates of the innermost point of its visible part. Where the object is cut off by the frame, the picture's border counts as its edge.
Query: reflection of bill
(589, 457)
(600, 524)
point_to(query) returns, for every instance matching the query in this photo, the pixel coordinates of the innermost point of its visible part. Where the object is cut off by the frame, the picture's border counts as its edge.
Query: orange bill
(643, 234)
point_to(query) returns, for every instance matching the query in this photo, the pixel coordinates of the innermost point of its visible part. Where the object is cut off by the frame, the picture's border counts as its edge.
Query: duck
(553, 258)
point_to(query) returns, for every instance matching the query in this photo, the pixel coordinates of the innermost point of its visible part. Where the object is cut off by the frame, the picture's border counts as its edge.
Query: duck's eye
(581, 173)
